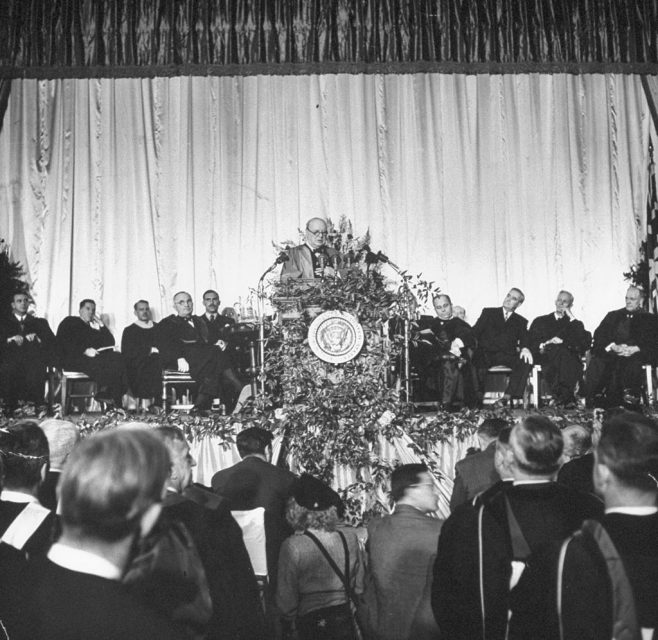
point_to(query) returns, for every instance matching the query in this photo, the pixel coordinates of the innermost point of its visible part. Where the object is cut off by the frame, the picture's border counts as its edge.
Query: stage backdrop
(136, 188)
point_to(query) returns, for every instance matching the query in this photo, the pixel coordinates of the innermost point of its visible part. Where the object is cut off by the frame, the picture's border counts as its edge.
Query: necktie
(213, 317)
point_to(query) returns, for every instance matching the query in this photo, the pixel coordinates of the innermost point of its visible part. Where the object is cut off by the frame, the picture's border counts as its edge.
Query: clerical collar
(144, 325)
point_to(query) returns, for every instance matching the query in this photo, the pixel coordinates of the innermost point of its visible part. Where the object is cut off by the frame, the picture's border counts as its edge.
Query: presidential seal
(335, 336)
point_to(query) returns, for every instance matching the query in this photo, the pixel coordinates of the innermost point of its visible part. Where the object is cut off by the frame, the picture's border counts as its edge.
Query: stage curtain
(137, 188)
(157, 37)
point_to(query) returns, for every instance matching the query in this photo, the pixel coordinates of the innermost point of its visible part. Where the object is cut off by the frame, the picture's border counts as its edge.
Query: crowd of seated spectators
(108, 537)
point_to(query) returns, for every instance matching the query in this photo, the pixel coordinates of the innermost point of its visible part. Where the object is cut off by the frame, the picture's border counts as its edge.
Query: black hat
(313, 494)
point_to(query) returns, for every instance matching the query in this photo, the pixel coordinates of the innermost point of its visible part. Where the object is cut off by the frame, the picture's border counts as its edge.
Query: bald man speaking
(313, 259)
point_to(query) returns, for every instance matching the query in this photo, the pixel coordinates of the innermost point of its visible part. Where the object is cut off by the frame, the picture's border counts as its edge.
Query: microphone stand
(260, 311)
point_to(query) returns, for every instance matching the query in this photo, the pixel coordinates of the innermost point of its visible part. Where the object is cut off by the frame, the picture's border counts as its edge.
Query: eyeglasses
(317, 234)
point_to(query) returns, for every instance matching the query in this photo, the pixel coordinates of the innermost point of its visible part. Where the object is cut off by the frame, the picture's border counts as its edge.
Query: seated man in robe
(184, 344)
(313, 259)
(27, 347)
(558, 341)
(142, 356)
(501, 335)
(442, 351)
(624, 342)
(87, 345)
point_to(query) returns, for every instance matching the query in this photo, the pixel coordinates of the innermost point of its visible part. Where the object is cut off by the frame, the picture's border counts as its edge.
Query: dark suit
(609, 374)
(561, 364)
(474, 474)
(545, 512)
(252, 483)
(179, 337)
(108, 368)
(439, 369)
(218, 328)
(587, 603)
(577, 473)
(303, 261)
(23, 368)
(144, 368)
(48, 490)
(499, 343)
(401, 550)
(65, 605)
(218, 539)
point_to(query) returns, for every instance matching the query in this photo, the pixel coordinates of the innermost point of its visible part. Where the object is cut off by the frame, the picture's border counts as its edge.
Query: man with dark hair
(501, 334)
(605, 577)
(218, 325)
(142, 356)
(27, 347)
(25, 524)
(218, 539)
(254, 482)
(87, 345)
(482, 551)
(624, 342)
(110, 495)
(400, 549)
(441, 352)
(477, 472)
(501, 463)
(185, 345)
(558, 341)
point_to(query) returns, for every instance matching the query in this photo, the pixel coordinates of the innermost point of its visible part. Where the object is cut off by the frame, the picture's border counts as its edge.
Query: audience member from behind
(311, 594)
(578, 459)
(62, 436)
(401, 550)
(254, 482)
(110, 495)
(477, 472)
(501, 463)
(600, 594)
(218, 539)
(25, 524)
(482, 551)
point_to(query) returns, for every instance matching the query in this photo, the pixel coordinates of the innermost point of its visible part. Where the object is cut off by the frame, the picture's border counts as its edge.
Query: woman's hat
(315, 495)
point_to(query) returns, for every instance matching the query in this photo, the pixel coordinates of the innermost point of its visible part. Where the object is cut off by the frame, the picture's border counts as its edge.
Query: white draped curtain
(121, 189)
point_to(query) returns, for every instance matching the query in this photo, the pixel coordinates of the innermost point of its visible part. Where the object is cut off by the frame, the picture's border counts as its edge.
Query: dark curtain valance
(51, 38)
